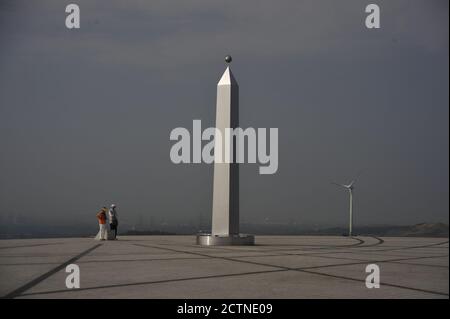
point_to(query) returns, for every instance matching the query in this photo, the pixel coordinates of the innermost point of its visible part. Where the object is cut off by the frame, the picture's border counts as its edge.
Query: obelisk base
(230, 240)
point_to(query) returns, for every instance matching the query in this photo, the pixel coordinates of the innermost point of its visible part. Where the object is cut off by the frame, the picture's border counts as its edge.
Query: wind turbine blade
(356, 177)
(345, 186)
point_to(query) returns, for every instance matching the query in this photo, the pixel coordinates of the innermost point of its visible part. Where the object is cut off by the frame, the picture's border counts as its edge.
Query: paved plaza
(276, 267)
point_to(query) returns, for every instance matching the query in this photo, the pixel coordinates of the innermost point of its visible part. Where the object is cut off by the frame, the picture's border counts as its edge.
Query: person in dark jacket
(113, 221)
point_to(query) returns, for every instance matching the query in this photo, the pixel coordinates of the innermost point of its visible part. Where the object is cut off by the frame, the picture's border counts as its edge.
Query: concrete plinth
(217, 240)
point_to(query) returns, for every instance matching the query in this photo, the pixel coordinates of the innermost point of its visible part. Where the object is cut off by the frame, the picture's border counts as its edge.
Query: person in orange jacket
(103, 232)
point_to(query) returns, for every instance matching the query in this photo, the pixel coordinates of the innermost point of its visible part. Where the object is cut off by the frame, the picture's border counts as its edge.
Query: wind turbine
(350, 187)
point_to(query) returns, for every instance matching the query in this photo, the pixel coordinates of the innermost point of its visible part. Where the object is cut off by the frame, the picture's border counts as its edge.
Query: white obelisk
(225, 214)
(225, 210)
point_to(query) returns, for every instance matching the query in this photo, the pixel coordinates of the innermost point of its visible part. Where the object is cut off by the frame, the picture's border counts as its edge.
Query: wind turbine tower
(350, 187)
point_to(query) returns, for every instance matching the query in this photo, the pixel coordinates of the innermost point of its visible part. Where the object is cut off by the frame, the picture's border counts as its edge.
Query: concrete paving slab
(413, 277)
(277, 285)
(174, 267)
(432, 262)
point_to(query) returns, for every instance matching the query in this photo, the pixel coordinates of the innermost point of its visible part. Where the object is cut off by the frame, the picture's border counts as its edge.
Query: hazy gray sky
(85, 115)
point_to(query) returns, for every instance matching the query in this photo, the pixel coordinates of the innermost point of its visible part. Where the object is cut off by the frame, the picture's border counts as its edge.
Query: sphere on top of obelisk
(228, 59)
